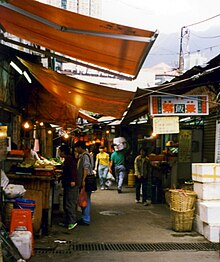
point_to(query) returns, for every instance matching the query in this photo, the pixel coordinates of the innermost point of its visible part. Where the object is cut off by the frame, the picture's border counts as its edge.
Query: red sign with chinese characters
(181, 106)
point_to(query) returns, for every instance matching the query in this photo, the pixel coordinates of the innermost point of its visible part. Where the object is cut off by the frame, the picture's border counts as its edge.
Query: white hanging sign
(166, 125)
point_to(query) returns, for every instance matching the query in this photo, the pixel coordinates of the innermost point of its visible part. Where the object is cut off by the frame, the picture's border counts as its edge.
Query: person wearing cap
(102, 165)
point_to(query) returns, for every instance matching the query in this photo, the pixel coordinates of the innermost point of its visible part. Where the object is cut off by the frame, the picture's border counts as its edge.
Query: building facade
(85, 7)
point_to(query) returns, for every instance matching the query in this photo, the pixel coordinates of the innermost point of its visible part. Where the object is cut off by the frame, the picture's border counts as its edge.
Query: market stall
(37, 178)
(41, 184)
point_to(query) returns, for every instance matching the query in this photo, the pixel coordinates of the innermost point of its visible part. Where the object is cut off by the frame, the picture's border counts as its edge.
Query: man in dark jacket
(70, 187)
(142, 168)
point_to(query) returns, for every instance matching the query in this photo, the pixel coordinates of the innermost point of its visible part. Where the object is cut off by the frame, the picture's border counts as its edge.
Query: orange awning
(45, 107)
(104, 44)
(83, 95)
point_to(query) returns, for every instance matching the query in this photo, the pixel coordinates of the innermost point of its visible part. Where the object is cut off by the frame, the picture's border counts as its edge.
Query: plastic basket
(21, 219)
(182, 221)
(25, 204)
(182, 200)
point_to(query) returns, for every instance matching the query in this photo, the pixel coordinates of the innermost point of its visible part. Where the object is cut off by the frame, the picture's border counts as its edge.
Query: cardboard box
(198, 225)
(210, 212)
(119, 143)
(211, 232)
(207, 191)
(197, 206)
(206, 172)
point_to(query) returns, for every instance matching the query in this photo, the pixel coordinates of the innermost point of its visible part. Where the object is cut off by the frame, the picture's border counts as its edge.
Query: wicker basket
(182, 221)
(167, 196)
(182, 200)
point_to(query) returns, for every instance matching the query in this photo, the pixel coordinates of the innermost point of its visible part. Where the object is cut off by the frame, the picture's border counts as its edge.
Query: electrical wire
(183, 96)
(163, 54)
(185, 27)
(206, 48)
(133, 6)
(206, 37)
(205, 20)
(164, 86)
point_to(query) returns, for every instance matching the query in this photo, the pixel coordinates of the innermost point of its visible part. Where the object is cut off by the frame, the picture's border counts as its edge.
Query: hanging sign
(185, 146)
(181, 106)
(166, 125)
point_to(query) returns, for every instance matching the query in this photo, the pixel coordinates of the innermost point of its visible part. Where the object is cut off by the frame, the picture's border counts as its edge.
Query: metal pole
(181, 55)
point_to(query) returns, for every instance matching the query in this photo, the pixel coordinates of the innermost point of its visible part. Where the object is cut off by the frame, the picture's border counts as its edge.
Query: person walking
(142, 169)
(70, 187)
(118, 160)
(102, 165)
(84, 168)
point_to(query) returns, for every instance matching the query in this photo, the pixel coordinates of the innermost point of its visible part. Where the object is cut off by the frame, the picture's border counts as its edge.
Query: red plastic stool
(22, 218)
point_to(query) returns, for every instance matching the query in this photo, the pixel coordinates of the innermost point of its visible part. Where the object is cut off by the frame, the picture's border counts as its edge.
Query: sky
(166, 16)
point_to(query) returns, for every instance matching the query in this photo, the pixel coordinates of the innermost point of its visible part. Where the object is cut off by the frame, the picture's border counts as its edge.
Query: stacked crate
(206, 177)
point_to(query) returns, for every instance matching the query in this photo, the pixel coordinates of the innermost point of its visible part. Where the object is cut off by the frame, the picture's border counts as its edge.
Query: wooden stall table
(42, 180)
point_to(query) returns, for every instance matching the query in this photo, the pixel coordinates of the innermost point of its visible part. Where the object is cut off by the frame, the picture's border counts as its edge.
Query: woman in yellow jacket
(102, 165)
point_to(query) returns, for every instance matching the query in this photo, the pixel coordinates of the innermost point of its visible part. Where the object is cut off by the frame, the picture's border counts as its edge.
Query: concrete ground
(117, 219)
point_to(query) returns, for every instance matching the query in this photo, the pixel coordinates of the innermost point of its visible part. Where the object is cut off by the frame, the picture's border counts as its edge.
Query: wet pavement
(122, 230)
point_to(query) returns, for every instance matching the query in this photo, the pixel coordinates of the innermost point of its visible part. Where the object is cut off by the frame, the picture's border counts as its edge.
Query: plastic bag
(108, 183)
(110, 177)
(23, 242)
(14, 191)
(83, 198)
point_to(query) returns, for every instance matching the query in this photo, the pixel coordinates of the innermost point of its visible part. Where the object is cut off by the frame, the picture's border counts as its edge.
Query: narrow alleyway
(116, 221)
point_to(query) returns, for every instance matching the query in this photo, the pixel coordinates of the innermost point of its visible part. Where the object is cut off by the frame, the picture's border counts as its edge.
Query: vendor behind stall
(30, 156)
(30, 153)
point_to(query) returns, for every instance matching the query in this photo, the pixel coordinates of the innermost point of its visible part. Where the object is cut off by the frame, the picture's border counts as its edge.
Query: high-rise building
(91, 8)
(86, 7)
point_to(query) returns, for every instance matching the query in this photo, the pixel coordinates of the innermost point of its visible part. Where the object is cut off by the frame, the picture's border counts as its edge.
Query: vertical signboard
(185, 146)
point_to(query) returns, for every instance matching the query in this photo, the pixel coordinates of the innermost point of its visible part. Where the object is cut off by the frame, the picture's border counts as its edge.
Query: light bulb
(26, 125)
(66, 136)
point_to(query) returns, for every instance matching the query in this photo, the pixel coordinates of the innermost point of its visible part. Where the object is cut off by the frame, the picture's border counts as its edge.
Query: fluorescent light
(27, 77)
(20, 72)
(16, 67)
(185, 119)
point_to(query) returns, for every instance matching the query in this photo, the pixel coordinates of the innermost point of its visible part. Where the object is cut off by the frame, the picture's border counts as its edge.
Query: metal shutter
(209, 140)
